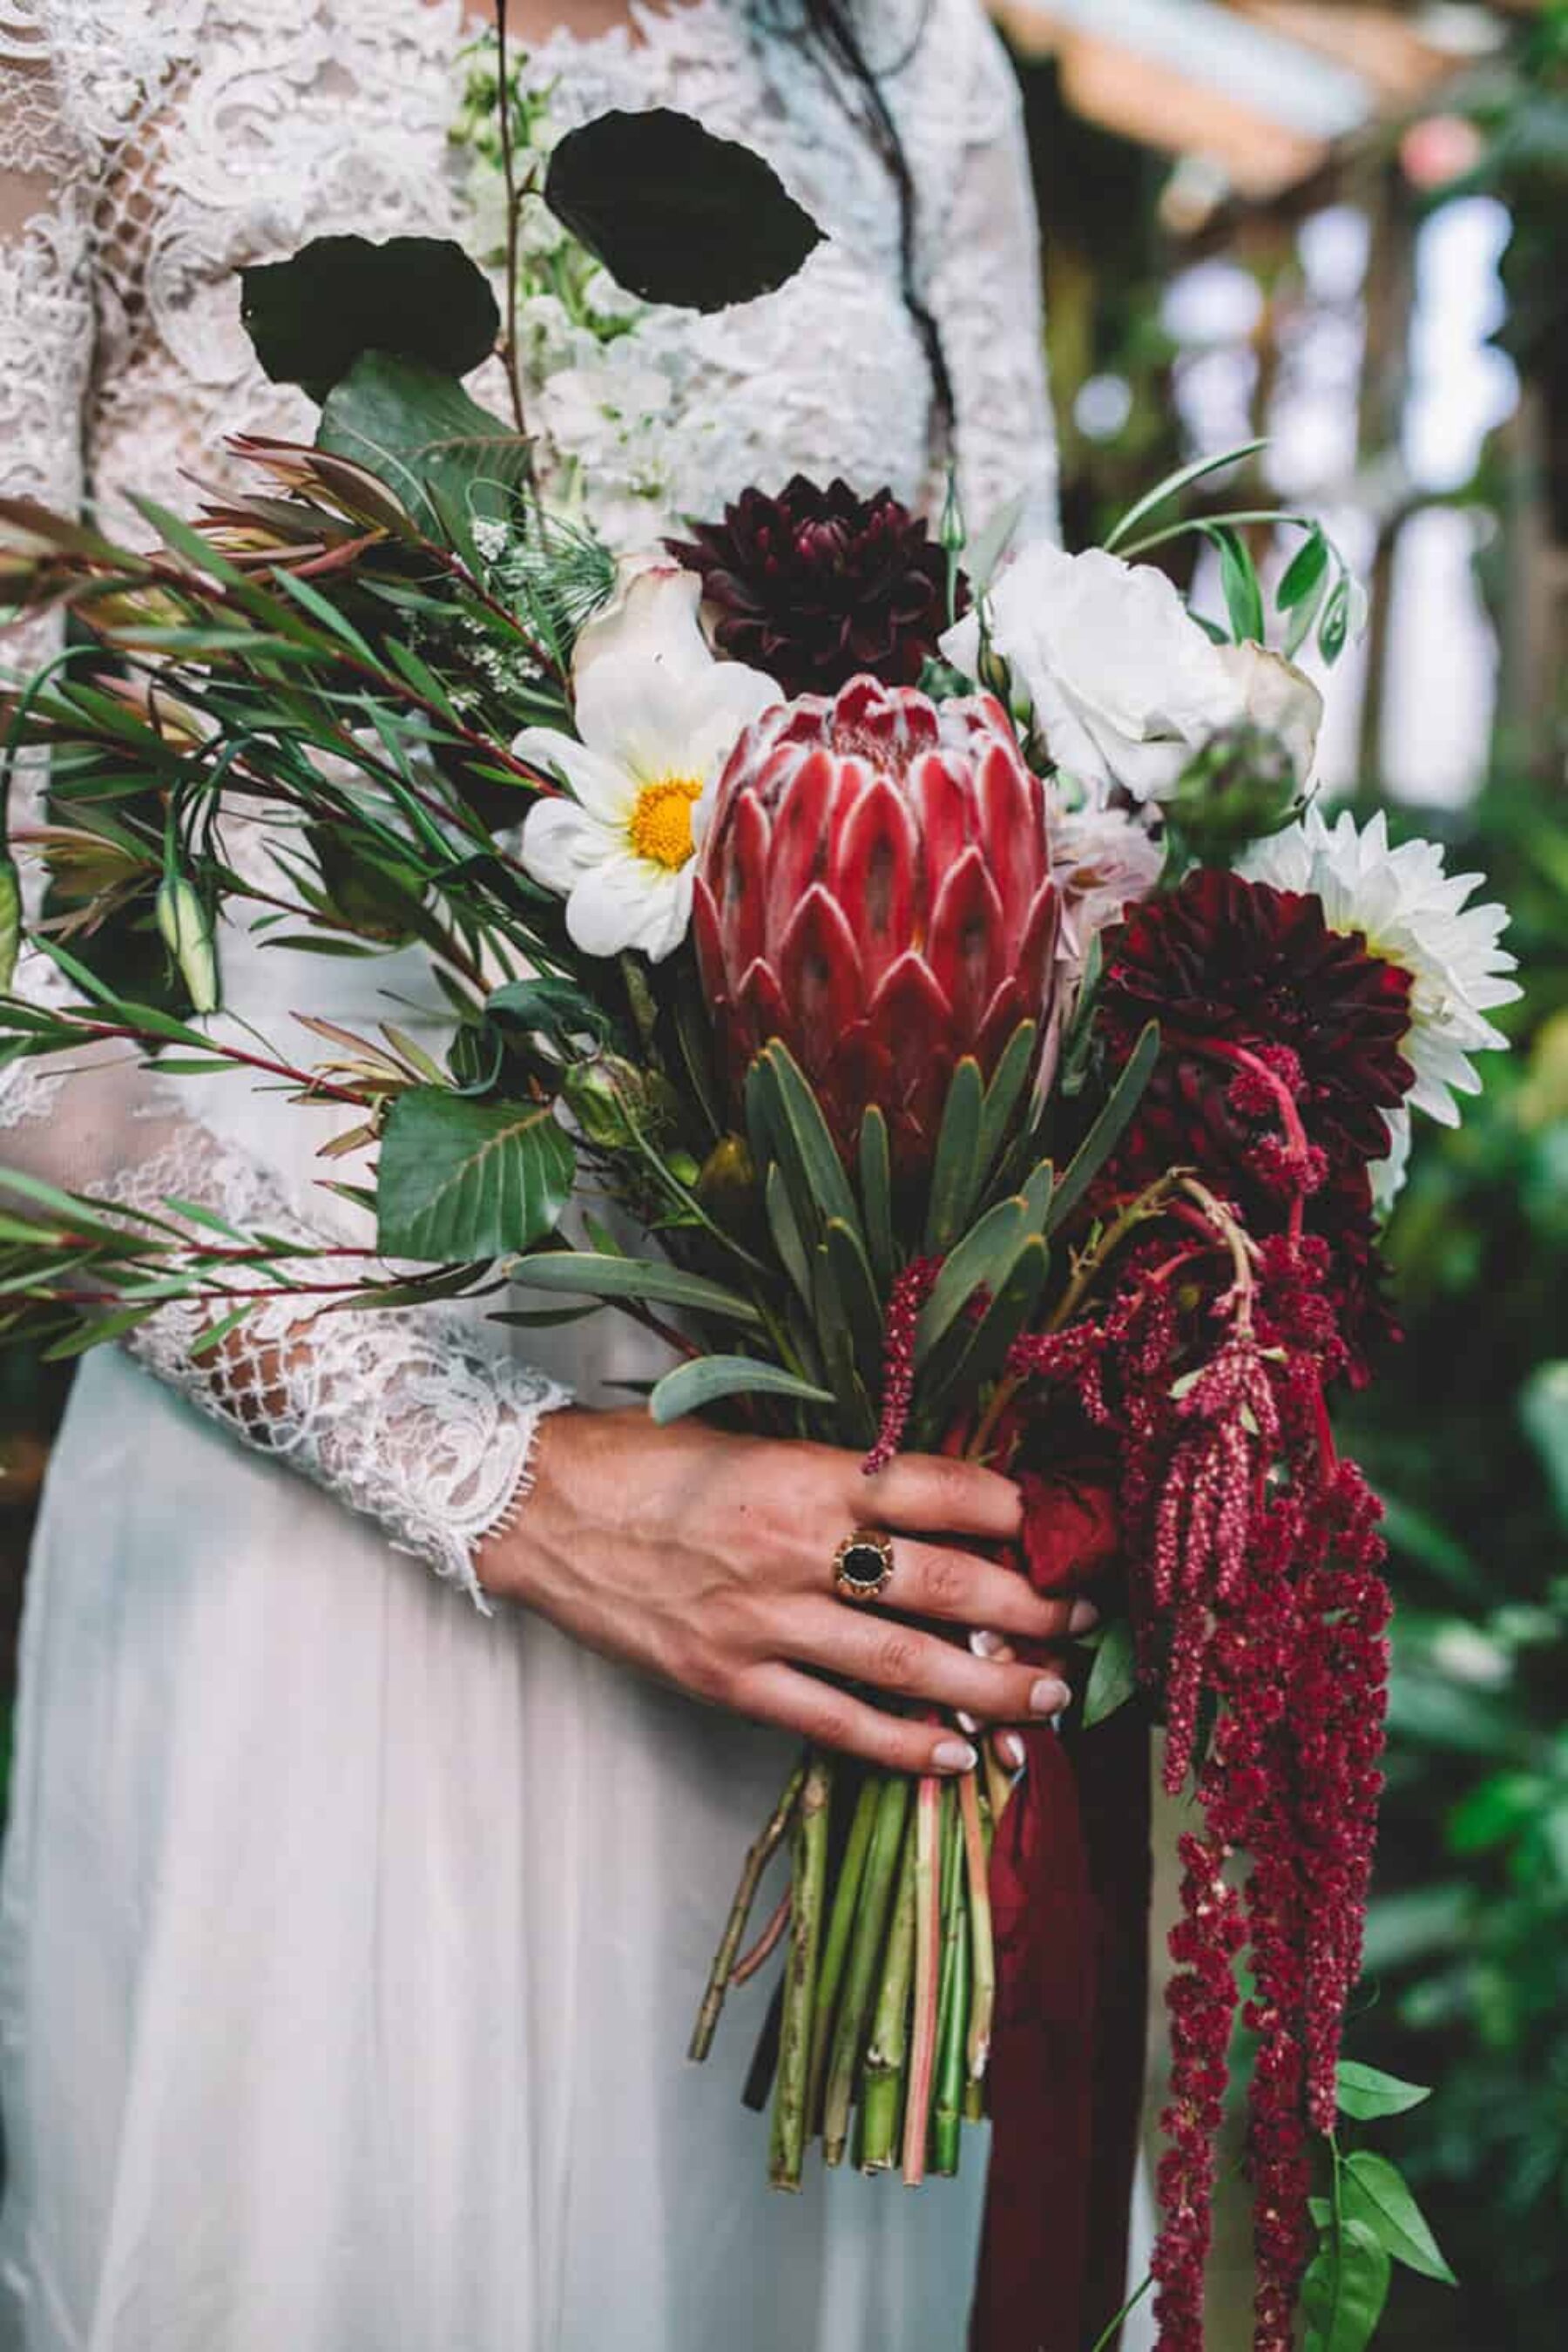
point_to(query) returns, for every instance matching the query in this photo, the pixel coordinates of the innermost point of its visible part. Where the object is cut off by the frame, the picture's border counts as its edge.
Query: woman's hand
(708, 1560)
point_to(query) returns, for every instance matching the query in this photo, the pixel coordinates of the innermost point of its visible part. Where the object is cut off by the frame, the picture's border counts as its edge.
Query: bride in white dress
(350, 1933)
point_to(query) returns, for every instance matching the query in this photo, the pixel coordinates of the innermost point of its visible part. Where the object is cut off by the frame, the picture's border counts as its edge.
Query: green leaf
(1108, 1129)
(1173, 486)
(676, 214)
(1334, 627)
(1306, 568)
(597, 1277)
(955, 1171)
(984, 1254)
(982, 1347)
(1113, 1676)
(1238, 582)
(877, 1192)
(786, 1232)
(1345, 2289)
(692, 1387)
(856, 1291)
(547, 1007)
(416, 297)
(818, 1185)
(461, 1179)
(1008, 1079)
(1366, 2093)
(1375, 2194)
(416, 429)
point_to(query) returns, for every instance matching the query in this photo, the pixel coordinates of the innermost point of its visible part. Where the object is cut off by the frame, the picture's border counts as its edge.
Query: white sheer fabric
(347, 1937)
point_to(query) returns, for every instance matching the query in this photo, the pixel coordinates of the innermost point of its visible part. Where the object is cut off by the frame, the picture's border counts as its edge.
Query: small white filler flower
(657, 717)
(1413, 914)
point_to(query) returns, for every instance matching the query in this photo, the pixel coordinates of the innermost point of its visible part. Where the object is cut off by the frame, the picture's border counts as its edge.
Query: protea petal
(743, 882)
(939, 797)
(705, 933)
(874, 871)
(819, 972)
(761, 1012)
(911, 1024)
(1012, 834)
(795, 850)
(1035, 961)
(967, 945)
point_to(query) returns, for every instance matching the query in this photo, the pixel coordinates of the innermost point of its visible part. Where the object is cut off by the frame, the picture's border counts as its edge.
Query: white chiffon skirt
(349, 1948)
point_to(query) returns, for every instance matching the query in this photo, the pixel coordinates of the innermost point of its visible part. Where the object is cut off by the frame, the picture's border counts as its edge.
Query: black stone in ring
(863, 1564)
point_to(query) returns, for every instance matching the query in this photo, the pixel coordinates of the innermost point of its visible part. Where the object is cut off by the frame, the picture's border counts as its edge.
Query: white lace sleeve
(986, 293)
(421, 1420)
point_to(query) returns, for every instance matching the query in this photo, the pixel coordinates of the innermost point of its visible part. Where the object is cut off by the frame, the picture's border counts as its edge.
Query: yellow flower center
(660, 826)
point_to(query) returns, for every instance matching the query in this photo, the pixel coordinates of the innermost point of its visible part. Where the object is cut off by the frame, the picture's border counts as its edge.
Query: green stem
(807, 1884)
(928, 1963)
(1103, 2341)
(864, 1951)
(840, 1931)
(983, 1942)
(758, 1856)
(882, 2081)
(954, 2005)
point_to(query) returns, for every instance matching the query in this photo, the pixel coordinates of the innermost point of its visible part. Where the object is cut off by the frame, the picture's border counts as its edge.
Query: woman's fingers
(837, 1718)
(868, 1647)
(928, 1580)
(925, 1492)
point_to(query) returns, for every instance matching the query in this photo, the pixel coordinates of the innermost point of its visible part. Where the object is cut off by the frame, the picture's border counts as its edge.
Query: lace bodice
(148, 149)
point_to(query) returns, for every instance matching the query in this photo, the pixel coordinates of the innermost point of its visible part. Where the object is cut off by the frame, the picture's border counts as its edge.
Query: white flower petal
(605, 791)
(628, 902)
(636, 667)
(560, 843)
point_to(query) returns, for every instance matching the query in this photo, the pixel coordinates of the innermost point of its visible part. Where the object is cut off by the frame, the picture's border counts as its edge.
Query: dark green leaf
(1113, 1676)
(1306, 568)
(982, 1346)
(1334, 627)
(546, 1007)
(692, 1387)
(786, 1232)
(984, 1254)
(803, 1143)
(1108, 1129)
(856, 1291)
(447, 458)
(461, 1179)
(1345, 2289)
(1014, 1065)
(1375, 2194)
(630, 1277)
(676, 214)
(1366, 2093)
(1238, 581)
(877, 1192)
(955, 1171)
(416, 297)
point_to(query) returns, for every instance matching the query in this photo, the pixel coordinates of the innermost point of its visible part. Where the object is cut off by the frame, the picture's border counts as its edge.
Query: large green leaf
(1013, 1065)
(461, 1179)
(706, 1378)
(877, 1191)
(856, 1289)
(597, 1277)
(447, 458)
(1375, 2193)
(1366, 2093)
(1345, 2289)
(417, 298)
(675, 214)
(796, 1133)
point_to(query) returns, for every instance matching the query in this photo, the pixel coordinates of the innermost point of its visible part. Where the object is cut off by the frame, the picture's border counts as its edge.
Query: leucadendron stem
(808, 1876)
(835, 1944)
(952, 2011)
(882, 2080)
(927, 1968)
(758, 1856)
(864, 1951)
(982, 1940)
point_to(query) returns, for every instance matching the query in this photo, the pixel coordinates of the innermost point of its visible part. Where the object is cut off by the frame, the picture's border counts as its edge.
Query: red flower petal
(795, 850)
(967, 945)
(873, 872)
(819, 972)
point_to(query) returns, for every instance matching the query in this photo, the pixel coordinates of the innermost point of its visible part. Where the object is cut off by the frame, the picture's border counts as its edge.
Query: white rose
(1125, 685)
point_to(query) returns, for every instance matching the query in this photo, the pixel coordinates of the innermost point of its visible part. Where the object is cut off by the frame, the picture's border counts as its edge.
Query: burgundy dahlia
(874, 889)
(817, 586)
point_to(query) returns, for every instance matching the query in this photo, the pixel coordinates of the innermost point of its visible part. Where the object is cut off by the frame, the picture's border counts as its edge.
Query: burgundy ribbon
(1070, 1892)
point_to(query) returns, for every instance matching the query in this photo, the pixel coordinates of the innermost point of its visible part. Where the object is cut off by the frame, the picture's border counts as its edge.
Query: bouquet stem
(758, 1857)
(983, 1948)
(882, 2083)
(810, 1872)
(952, 2006)
(864, 1951)
(835, 1946)
(927, 1964)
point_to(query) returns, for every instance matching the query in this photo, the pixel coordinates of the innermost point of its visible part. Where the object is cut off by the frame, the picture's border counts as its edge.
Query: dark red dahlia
(1281, 1056)
(817, 586)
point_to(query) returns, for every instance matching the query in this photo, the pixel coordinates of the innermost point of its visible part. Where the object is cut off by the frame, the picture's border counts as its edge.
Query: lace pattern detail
(422, 1422)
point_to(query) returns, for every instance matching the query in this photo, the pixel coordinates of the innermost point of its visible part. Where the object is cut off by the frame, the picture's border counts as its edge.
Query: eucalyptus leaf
(675, 214)
(706, 1380)
(461, 1179)
(417, 298)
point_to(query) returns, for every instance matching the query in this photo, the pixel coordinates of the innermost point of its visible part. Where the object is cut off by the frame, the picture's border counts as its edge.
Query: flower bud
(187, 934)
(612, 1102)
(1241, 785)
(10, 920)
(951, 533)
(727, 1185)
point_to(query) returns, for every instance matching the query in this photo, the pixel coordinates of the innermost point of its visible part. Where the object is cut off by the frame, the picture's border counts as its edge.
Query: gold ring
(863, 1564)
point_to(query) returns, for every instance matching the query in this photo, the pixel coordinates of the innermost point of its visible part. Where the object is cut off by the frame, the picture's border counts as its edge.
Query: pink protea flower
(874, 889)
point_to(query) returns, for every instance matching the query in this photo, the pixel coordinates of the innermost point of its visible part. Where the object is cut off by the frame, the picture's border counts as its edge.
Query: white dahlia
(1415, 915)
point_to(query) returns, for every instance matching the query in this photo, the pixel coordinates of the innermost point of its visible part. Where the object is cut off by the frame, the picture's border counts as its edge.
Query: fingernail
(1049, 1696)
(953, 1756)
(1081, 1616)
(1011, 1750)
(967, 1722)
(985, 1644)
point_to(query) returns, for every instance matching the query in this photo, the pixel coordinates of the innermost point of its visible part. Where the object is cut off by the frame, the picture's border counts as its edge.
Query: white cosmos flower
(658, 718)
(1411, 914)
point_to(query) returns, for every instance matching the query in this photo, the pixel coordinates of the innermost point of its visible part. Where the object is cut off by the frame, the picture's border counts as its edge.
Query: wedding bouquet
(936, 957)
